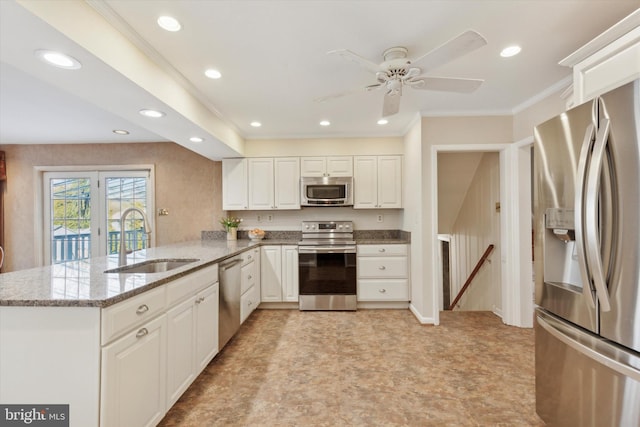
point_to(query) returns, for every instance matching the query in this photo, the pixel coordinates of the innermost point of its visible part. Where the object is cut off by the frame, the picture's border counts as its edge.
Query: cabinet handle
(382, 267)
(142, 332)
(142, 309)
(249, 277)
(382, 291)
(382, 250)
(199, 300)
(250, 304)
(249, 257)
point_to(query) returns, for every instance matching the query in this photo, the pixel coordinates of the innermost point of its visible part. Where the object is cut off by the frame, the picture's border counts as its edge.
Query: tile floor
(366, 368)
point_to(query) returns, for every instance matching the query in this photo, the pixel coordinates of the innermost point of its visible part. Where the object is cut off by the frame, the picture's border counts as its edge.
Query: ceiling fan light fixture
(169, 23)
(325, 123)
(510, 51)
(58, 59)
(213, 74)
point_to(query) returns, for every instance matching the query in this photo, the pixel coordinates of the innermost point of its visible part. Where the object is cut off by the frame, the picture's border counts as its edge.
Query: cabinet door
(180, 349)
(340, 166)
(134, 377)
(390, 182)
(261, 195)
(365, 182)
(290, 273)
(206, 326)
(313, 166)
(271, 274)
(234, 184)
(287, 183)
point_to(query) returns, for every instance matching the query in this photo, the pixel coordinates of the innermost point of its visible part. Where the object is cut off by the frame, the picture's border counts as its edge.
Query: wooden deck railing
(471, 276)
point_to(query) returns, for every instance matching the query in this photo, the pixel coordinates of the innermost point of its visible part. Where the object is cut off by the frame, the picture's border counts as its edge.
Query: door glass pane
(70, 225)
(122, 194)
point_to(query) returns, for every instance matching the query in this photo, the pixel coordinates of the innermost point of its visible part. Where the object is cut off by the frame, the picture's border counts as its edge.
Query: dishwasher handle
(229, 264)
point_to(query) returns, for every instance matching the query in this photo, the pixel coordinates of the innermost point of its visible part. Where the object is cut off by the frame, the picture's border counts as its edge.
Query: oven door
(327, 271)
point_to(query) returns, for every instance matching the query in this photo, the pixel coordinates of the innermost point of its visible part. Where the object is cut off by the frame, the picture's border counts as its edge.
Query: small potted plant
(230, 225)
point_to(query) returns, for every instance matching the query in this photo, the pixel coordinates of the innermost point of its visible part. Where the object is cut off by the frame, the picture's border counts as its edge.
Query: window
(82, 211)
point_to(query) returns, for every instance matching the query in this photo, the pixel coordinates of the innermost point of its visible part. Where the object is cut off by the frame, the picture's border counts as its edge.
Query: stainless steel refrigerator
(587, 263)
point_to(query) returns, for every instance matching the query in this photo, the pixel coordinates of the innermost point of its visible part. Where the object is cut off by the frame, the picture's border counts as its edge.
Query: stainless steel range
(327, 266)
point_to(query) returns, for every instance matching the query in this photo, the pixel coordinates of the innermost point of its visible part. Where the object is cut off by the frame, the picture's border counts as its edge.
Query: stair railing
(471, 276)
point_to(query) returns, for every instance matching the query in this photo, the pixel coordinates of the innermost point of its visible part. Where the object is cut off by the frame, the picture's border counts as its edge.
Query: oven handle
(326, 250)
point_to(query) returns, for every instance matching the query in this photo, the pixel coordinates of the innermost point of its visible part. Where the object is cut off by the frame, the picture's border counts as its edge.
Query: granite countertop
(85, 284)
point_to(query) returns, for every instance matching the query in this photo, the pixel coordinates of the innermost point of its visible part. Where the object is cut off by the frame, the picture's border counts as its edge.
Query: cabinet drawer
(381, 267)
(249, 302)
(383, 290)
(382, 250)
(250, 256)
(188, 285)
(247, 277)
(130, 313)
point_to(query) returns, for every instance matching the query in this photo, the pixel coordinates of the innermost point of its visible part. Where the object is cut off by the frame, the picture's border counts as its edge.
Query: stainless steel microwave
(326, 191)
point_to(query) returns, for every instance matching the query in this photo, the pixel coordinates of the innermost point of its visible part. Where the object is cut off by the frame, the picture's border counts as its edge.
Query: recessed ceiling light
(213, 74)
(121, 132)
(152, 113)
(169, 23)
(58, 59)
(256, 124)
(196, 139)
(383, 121)
(510, 51)
(325, 123)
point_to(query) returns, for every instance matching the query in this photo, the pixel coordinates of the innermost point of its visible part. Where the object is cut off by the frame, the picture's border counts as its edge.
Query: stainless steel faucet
(122, 260)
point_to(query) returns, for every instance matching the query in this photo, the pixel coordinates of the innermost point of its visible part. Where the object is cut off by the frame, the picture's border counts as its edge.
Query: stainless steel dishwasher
(229, 320)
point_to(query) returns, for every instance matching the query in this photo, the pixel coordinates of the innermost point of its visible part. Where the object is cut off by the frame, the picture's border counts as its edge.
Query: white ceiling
(272, 55)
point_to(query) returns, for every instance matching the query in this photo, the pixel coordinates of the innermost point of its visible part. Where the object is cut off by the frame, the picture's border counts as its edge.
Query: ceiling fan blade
(445, 84)
(454, 48)
(391, 104)
(363, 62)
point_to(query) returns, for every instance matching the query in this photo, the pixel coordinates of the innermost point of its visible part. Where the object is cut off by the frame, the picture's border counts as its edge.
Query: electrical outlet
(269, 217)
(380, 218)
(259, 218)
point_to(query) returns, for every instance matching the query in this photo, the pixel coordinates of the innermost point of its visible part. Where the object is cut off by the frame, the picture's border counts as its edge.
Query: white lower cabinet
(192, 340)
(279, 273)
(249, 283)
(133, 385)
(147, 363)
(383, 273)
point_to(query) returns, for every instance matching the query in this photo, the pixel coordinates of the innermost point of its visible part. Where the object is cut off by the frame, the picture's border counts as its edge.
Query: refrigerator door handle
(592, 237)
(594, 349)
(585, 152)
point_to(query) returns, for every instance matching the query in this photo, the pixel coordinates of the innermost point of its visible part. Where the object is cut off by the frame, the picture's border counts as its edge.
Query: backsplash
(297, 235)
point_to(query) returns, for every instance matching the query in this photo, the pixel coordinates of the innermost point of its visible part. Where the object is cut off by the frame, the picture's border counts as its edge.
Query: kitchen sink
(152, 266)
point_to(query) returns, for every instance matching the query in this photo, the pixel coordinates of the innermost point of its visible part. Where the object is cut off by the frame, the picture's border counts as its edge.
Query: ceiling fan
(398, 71)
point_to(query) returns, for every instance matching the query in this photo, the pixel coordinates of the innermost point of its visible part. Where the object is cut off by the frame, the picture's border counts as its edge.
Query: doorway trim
(515, 189)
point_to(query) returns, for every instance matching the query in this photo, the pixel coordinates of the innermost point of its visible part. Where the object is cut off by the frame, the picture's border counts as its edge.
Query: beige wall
(187, 185)
(323, 147)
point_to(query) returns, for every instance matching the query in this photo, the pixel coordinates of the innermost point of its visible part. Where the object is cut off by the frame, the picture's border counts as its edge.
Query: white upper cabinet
(287, 182)
(234, 184)
(326, 166)
(274, 183)
(606, 62)
(377, 182)
(261, 192)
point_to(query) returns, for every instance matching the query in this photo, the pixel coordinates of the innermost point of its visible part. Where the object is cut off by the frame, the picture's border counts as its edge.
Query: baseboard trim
(422, 319)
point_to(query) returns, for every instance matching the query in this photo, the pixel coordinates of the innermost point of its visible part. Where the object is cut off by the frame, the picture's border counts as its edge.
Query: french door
(82, 211)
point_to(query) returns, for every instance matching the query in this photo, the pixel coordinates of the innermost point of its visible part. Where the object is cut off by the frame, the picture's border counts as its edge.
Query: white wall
(475, 228)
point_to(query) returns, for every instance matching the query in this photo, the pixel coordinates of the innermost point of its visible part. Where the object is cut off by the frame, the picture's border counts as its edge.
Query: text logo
(34, 415)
